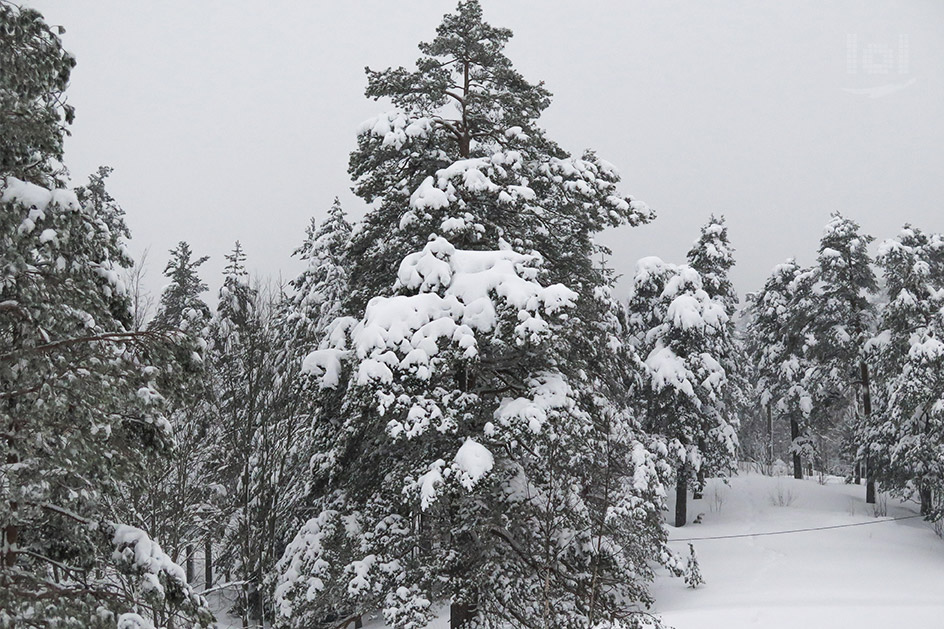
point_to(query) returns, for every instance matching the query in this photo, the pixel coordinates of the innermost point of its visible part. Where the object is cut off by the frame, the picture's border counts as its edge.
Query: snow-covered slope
(886, 574)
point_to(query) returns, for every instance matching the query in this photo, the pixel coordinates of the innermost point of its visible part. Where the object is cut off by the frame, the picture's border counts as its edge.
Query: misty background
(229, 120)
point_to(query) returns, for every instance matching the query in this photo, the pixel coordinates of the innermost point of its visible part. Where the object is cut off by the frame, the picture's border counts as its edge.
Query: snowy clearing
(880, 575)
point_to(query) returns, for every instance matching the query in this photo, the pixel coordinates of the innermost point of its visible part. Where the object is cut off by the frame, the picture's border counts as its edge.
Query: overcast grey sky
(231, 120)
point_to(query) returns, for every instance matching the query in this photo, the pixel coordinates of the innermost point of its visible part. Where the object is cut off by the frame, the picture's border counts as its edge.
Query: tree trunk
(770, 440)
(858, 473)
(794, 435)
(681, 499)
(207, 563)
(867, 408)
(699, 487)
(190, 566)
(465, 142)
(925, 493)
(461, 615)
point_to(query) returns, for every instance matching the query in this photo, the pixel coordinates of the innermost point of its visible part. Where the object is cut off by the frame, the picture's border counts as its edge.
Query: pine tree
(80, 415)
(839, 324)
(79, 410)
(465, 434)
(776, 345)
(242, 379)
(178, 507)
(680, 333)
(181, 305)
(322, 287)
(909, 369)
(34, 114)
(302, 319)
(713, 257)
(693, 576)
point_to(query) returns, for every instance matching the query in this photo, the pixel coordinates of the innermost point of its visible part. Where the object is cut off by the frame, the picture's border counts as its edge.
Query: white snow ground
(887, 575)
(883, 575)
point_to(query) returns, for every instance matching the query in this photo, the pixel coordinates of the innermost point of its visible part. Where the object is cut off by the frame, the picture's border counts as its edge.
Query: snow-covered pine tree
(680, 333)
(322, 287)
(181, 306)
(841, 318)
(908, 354)
(177, 508)
(303, 315)
(713, 257)
(79, 413)
(242, 361)
(693, 576)
(775, 344)
(472, 455)
(257, 437)
(78, 409)
(34, 113)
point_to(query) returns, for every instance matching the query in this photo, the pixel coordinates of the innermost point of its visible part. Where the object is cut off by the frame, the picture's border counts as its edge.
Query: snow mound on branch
(135, 547)
(549, 391)
(396, 128)
(158, 575)
(458, 295)
(469, 465)
(472, 462)
(37, 197)
(134, 621)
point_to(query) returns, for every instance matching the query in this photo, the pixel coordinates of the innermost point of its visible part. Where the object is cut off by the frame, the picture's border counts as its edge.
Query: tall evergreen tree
(681, 333)
(242, 376)
(470, 456)
(909, 357)
(178, 507)
(302, 318)
(322, 287)
(181, 305)
(776, 345)
(840, 321)
(713, 257)
(80, 414)
(79, 410)
(34, 114)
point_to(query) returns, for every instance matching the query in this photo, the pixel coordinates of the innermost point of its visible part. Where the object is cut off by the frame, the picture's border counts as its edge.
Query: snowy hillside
(881, 575)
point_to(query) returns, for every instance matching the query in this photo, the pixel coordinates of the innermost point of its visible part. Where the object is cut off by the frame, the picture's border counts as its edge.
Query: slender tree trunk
(190, 566)
(770, 440)
(207, 563)
(794, 435)
(681, 498)
(11, 532)
(465, 141)
(858, 473)
(867, 408)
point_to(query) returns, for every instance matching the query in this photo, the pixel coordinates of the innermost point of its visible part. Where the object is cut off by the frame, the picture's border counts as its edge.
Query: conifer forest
(461, 408)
